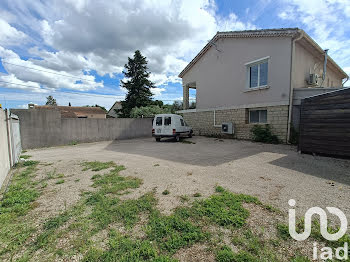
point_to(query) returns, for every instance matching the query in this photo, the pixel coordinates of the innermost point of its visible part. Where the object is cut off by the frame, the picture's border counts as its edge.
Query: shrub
(148, 111)
(264, 134)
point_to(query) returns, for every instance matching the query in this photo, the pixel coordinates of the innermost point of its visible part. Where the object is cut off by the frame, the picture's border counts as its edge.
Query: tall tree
(50, 101)
(138, 85)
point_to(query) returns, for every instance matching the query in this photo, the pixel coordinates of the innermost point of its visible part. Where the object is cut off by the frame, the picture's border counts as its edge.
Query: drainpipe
(324, 66)
(291, 84)
(215, 125)
(345, 81)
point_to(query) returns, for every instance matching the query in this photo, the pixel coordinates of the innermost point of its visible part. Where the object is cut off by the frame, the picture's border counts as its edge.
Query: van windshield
(167, 121)
(159, 121)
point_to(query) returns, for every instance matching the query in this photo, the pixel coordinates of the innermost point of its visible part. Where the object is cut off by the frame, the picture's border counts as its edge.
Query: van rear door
(167, 127)
(158, 125)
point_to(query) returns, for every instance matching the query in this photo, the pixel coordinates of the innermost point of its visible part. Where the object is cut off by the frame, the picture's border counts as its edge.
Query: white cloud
(327, 21)
(44, 75)
(100, 35)
(10, 36)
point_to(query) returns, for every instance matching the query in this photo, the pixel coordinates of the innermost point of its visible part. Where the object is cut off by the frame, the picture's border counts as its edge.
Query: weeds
(166, 192)
(25, 156)
(60, 181)
(97, 166)
(197, 194)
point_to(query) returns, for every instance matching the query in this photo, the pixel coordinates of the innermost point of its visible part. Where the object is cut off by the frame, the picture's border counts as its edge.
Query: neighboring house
(74, 111)
(112, 112)
(250, 77)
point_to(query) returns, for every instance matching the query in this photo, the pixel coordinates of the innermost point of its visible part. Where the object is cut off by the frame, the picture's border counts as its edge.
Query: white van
(170, 125)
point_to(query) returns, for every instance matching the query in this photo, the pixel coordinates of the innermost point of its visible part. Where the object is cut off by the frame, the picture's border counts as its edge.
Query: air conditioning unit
(313, 80)
(227, 128)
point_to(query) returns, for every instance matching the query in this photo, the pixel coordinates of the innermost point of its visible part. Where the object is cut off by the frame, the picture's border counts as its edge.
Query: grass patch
(122, 248)
(16, 203)
(165, 192)
(25, 156)
(224, 209)
(173, 232)
(225, 254)
(60, 181)
(73, 143)
(197, 194)
(156, 165)
(97, 166)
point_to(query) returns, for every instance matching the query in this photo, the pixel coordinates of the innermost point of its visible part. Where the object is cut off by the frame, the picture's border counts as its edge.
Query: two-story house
(250, 77)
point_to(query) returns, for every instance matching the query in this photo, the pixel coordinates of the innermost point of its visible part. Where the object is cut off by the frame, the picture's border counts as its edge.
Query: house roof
(75, 111)
(281, 32)
(115, 106)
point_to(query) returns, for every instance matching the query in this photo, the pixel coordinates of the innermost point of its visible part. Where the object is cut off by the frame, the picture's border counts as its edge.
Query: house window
(257, 116)
(182, 122)
(159, 121)
(257, 73)
(167, 121)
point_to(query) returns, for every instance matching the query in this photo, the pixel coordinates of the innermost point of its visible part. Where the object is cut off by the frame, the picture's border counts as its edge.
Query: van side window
(167, 121)
(159, 121)
(182, 122)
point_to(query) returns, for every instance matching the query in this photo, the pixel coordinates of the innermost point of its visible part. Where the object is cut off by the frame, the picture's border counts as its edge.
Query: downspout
(324, 66)
(291, 85)
(215, 125)
(345, 81)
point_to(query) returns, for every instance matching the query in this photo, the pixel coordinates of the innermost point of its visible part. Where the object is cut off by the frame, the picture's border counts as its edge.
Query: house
(251, 77)
(112, 112)
(74, 111)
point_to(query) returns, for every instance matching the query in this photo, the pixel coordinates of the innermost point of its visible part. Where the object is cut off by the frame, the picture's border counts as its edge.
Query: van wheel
(190, 135)
(158, 139)
(177, 138)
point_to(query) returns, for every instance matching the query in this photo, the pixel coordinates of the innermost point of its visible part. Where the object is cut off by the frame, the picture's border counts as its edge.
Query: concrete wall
(4, 149)
(43, 128)
(202, 122)
(221, 80)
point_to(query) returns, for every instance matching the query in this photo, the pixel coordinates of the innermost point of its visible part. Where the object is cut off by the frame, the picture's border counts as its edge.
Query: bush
(148, 111)
(264, 134)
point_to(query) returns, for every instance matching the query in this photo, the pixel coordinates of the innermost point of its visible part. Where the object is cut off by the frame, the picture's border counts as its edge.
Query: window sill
(256, 88)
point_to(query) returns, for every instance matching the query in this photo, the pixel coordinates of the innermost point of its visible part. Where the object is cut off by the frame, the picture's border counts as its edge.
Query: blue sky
(75, 50)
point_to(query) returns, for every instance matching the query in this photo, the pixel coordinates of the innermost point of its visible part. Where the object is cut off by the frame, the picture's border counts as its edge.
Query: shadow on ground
(205, 151)
(202, 151)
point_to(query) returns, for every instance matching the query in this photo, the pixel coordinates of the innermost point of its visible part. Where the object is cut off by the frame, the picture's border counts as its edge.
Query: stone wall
(202, 122)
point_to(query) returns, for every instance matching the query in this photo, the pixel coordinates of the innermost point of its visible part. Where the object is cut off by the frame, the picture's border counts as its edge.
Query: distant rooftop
(74, 111)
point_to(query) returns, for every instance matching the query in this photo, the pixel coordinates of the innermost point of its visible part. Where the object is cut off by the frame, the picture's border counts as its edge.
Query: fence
(325, 124)
(10, 143)
(44, 128)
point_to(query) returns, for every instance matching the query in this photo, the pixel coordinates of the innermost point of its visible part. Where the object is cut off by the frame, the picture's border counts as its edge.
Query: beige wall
(221, 76)
(307, 62)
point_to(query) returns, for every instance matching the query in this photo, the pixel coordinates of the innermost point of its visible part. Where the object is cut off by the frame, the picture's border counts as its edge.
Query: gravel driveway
(273, 173)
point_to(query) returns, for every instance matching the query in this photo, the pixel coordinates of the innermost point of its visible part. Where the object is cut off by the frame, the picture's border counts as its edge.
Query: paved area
(274, 173)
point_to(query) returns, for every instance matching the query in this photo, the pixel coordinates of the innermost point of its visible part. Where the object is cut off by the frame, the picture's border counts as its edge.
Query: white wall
(4, 152)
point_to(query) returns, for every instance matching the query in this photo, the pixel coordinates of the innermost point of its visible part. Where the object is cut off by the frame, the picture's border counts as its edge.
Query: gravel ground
(273, 173)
